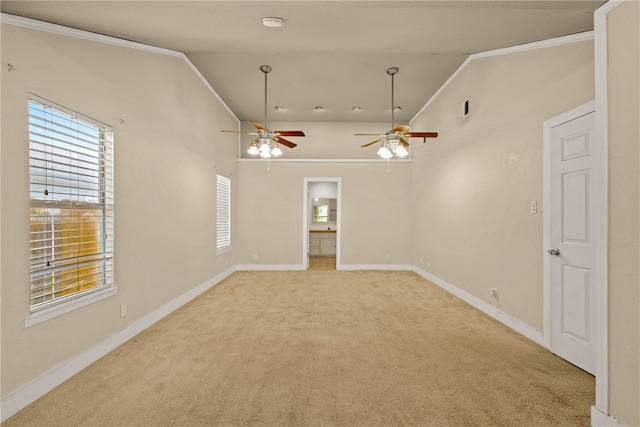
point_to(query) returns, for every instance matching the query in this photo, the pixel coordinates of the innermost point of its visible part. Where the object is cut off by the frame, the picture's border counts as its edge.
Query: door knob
(554, 252)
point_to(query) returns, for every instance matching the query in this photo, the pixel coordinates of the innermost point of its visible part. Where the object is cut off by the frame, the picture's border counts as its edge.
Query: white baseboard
(29, 393)
(394, 267)
(600, 419)
(515, 324)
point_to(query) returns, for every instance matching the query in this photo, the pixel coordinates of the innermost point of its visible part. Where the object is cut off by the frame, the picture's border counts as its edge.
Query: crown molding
(34, 24)
(558, 41)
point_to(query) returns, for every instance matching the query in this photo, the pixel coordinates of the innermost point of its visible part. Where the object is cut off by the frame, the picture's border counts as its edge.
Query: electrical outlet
(493, 292)
(123, 310)
(429, 264)
(255, 256)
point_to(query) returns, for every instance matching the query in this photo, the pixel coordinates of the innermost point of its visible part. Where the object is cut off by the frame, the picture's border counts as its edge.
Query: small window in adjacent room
(71, 208)
(223, 240)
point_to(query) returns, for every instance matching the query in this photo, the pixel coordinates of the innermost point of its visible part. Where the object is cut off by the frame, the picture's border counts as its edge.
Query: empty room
(329, 213)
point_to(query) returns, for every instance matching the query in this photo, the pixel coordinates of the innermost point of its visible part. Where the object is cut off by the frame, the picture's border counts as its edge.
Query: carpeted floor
(322, 348)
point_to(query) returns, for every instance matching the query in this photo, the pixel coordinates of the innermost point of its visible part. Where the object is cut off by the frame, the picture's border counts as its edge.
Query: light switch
(533, 207)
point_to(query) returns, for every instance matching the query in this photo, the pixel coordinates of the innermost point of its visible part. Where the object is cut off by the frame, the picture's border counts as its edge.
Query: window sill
(67, 306)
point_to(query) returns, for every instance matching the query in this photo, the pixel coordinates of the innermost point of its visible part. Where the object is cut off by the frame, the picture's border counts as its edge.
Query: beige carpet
(322, 348)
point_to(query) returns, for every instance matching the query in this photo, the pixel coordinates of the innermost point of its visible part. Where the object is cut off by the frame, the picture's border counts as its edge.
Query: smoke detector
(272, 22)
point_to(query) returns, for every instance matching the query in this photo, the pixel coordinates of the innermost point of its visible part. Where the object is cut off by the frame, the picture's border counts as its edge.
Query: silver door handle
(554, 252)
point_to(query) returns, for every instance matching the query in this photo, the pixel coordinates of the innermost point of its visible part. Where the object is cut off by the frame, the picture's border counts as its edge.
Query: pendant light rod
(392, 72)
(266, 70)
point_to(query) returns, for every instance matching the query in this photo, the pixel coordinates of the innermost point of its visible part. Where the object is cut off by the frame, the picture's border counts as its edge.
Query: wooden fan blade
(289, 133)
(404, 142)
(369, 134)
(421, 134)
(237, 131)
(256, 125)
(371, 143)
(400, 128)
(284, 142)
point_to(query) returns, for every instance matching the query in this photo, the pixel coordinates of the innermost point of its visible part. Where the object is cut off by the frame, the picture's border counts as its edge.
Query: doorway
(322, 223)
(570, 238)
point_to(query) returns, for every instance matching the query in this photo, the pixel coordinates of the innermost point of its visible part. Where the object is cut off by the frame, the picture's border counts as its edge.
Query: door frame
(599, 215)
(305, 220)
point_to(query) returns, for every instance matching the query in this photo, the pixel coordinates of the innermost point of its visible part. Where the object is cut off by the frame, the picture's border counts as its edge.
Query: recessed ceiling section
(329, 53)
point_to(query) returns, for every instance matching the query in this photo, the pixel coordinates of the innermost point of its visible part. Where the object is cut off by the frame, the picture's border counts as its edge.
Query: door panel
(572, 251)
(575, 299)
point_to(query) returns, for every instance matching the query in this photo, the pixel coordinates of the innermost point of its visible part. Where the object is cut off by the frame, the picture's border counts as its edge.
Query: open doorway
(322, 229)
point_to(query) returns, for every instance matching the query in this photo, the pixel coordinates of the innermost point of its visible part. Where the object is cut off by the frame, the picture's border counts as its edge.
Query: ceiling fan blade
(404, 142)
(284, 142)
(400, 128)
(421, 134)
(371, 143)
(237, 131)
(368, 134)
(289, 133)
(256, 125)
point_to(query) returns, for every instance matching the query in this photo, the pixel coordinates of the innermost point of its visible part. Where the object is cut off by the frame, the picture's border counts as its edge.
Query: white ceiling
(329, 53)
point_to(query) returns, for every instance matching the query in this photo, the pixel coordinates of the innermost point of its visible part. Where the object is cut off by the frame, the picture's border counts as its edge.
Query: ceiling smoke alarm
(272, 22)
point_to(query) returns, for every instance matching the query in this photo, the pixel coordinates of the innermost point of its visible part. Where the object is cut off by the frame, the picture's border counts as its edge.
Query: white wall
(473, 185)
(168, 148)
(623, 70)
(375, 212)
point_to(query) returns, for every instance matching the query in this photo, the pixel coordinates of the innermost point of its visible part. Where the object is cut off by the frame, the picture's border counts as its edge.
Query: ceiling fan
(267, 141)
(394, 142)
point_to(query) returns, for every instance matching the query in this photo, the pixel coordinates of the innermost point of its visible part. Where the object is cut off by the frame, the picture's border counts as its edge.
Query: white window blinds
(223, 204)
(71, 193)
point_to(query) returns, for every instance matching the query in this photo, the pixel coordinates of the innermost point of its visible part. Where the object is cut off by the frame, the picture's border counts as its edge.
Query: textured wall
(624, 212)
(375, 211)
(473, 185)
(167, 150)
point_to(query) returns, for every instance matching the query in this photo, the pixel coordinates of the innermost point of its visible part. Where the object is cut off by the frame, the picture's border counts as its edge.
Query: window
(71, 194)
(223, 240)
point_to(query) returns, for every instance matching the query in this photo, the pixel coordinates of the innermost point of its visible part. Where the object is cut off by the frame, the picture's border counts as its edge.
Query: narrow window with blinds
(71, 210)
(223, 204)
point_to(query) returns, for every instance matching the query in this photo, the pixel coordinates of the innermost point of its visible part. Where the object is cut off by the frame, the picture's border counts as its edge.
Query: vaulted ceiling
(332, 54)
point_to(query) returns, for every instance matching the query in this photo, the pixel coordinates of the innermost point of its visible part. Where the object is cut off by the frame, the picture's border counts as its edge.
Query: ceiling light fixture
(356, 108)
(393, 143)
(264, 145)
(318, 108)
(267, 144)
(272, 22)
(279, 107)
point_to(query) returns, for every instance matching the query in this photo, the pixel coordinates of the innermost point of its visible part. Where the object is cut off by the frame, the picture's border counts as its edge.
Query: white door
(571, 248)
